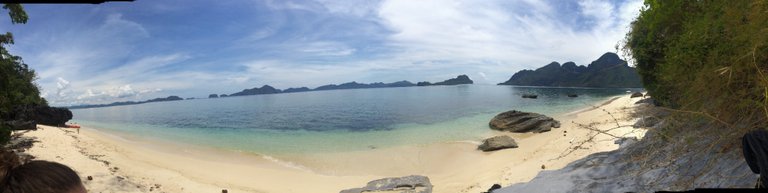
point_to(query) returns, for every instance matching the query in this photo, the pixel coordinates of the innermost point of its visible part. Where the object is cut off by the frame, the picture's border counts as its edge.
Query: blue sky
(92, 54)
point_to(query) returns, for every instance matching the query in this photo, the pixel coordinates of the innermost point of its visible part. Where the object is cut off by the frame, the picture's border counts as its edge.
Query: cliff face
(608, 71)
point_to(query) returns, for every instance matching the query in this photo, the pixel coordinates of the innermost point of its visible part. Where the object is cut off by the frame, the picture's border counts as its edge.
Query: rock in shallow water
(406, 184)
(636, 94)
(497, 143)
(521, 122)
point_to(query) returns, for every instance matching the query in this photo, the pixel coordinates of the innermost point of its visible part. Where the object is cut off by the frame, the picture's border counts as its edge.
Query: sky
(97, 54)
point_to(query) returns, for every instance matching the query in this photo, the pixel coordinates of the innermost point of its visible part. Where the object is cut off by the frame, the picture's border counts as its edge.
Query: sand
(118, 163)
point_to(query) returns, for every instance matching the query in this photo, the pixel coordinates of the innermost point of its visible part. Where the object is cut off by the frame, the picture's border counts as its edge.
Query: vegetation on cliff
(17, 87)
(705, 58)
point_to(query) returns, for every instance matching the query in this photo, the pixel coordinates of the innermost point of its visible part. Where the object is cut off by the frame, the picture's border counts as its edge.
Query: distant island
(266, 89)
(461, 79)
(169, 98)
(608, 71)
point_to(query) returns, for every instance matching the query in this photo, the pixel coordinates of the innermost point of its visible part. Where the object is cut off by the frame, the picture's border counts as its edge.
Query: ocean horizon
(337, 120)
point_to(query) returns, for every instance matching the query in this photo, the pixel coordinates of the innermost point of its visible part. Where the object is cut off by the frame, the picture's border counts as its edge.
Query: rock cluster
(405, 184)
(521, 122)
(22, 116)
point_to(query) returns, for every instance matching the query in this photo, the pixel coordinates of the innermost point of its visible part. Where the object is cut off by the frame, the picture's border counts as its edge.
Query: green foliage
(5, 135)
(17, 85)
(709, 57)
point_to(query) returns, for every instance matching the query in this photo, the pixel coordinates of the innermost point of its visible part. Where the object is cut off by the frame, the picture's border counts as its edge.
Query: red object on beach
(72, 126)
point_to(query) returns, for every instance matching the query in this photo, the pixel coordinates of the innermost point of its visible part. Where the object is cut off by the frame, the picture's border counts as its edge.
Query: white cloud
(61, 84)
(327, 49)
(518, 34)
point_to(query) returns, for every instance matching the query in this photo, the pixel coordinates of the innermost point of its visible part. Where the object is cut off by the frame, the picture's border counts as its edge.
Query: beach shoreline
(119, 164)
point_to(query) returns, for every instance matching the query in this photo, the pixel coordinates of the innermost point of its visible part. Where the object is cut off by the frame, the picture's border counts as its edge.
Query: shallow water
(337, 120)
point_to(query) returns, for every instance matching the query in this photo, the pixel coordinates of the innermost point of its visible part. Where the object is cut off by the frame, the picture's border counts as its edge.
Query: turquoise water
(336, 120)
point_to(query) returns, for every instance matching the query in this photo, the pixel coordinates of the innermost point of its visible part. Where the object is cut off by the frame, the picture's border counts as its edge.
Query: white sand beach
(124, 164)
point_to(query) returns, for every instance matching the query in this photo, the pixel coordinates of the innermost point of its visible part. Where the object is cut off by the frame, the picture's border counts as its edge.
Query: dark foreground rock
(636, 94)
(497, 143)
(406, 184)
(521, 122)
(20, 125)
(573, 95)
(45, 115)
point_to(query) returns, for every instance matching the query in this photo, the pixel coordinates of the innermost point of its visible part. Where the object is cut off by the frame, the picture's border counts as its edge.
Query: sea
(335, 120)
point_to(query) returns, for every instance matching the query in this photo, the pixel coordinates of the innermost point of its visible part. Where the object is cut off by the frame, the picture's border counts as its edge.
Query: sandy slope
(124, 164)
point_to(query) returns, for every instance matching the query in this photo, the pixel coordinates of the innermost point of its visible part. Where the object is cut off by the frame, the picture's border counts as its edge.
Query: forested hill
(608, 71)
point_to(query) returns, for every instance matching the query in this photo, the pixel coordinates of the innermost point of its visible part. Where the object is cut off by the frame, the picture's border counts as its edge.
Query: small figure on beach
(36, 176)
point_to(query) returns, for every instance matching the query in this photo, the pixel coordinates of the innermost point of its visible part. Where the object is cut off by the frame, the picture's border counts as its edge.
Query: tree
(17, 85)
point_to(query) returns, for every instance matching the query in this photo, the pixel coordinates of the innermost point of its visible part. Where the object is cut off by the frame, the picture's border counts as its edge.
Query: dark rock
(20, 125)
(406, 184)
(530, 96)
(646, 122)
(636, 94)
(494, 187)
(213, 96)
(497, 143)
(90, 178)
(573, 95)
(44, 115)
(223, 95)
(521, 122)
(224, 191)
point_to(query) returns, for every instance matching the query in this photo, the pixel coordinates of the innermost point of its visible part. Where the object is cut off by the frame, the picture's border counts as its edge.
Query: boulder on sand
(636, 94)
(497, 143)
(521, 122)
(406, 184)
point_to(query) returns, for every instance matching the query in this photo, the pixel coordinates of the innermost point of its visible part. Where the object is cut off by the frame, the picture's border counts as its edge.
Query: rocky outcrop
(406, 184)
(521, 122)
(45, 115)
(649, 101)
(608, 71)
(20, 125)
(636, 94)
(213, 96)
(649, 121)
(497, 143)
(633, 168)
